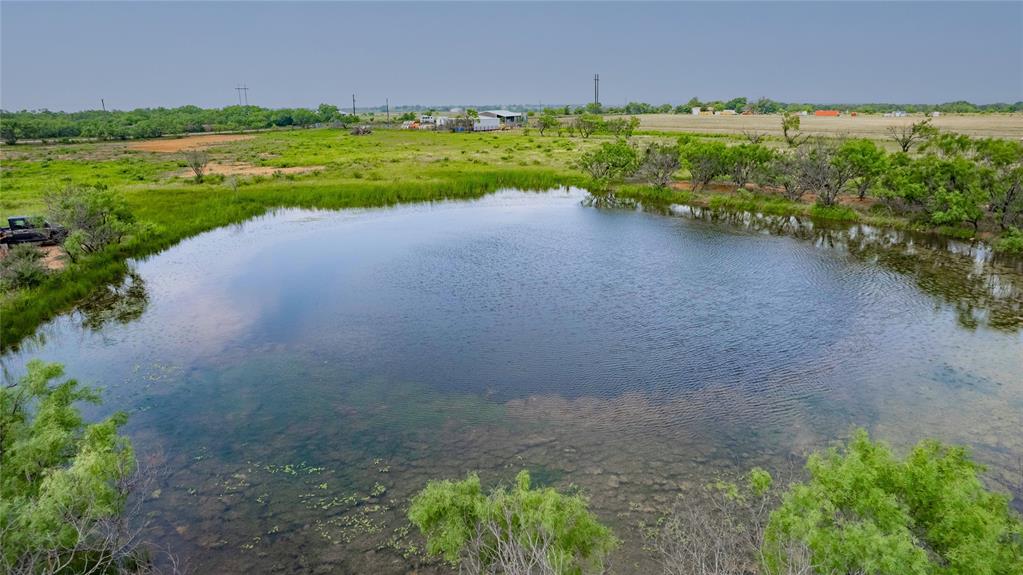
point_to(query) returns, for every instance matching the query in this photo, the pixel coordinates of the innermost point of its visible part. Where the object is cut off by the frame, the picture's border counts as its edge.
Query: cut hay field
(871, 126)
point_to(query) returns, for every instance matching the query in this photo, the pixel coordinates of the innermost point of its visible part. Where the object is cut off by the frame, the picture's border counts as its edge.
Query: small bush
(513, 531)
(659, 164)
(94, 218)
(610, 162)
(834, 212)
(22, 267)
(1011, 241)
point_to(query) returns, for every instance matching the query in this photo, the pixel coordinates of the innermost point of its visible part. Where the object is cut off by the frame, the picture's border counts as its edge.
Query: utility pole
(103, 104)
(387, 107)
(245, 89)
(353, 104)
(596, 89)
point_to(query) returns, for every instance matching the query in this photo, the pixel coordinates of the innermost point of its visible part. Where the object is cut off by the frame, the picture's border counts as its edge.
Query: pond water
(296, 378)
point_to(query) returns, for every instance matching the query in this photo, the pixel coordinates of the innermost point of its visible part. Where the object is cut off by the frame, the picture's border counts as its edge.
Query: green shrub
(834, 213)
(1011, 241)
(94, 217)
(704, 160)
(610, 162)
(22, 267)
(62, 481)
(864, 510)
(482, 532)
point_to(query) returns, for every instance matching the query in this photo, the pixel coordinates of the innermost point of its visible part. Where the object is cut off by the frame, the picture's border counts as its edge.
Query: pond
(296, 378)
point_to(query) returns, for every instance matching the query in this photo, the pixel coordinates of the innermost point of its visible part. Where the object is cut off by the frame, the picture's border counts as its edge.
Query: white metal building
(486, 124)
(505, 116)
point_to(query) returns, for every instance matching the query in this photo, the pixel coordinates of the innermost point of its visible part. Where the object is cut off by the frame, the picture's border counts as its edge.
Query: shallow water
(297, 377)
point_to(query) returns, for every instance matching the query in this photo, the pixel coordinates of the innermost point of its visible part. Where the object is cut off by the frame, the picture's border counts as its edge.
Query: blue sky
(66, 56)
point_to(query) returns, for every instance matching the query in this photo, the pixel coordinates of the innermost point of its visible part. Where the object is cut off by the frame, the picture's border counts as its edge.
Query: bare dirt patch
(243, 169)
(850, 200)
(187, 143)
(53, 256)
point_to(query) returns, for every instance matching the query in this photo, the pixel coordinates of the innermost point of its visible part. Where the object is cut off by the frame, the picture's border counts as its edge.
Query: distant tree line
(768, 106)
(155, 122)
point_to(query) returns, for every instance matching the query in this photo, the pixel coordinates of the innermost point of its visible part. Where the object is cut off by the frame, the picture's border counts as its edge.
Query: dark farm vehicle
(25, 230)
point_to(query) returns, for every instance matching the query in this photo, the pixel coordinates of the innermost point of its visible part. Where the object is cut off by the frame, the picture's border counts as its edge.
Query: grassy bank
(383, 169)
(179, 214)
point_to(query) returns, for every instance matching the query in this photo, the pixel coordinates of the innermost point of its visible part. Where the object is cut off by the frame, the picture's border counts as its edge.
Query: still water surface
(299, 376)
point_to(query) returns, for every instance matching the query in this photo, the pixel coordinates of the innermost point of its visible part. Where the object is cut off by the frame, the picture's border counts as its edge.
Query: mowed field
(872, 126)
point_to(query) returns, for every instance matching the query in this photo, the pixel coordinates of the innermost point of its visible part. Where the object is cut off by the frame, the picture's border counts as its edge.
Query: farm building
(486, 124)
(505, 116)
(831, 113)
(455, 124)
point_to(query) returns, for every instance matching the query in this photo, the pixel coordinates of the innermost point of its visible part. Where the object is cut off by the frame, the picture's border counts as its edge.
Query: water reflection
(983, 287)
(120, 303)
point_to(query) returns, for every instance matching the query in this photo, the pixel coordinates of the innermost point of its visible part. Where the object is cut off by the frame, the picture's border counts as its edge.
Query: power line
(243, 89)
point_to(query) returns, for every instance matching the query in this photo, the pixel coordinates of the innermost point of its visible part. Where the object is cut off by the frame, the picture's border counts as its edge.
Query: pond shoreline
(25, 310)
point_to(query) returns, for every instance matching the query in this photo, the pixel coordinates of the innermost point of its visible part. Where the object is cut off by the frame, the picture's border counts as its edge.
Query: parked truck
(26, 230)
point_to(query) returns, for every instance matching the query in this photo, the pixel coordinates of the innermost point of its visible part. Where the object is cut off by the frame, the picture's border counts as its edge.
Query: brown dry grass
(243, 169)
(872, 126)
(186, 143)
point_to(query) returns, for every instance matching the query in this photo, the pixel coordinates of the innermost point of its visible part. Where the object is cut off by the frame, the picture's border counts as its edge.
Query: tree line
(948, 180)
(156, 122)
(768, 106)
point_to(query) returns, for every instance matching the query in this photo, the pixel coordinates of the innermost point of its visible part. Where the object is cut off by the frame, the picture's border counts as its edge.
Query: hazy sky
(69, 55)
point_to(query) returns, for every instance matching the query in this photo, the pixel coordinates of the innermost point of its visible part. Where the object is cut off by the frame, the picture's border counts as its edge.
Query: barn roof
(503, 113)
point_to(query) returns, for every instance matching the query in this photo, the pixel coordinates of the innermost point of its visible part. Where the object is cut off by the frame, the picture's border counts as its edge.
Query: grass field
(872, 126)
(146, 170)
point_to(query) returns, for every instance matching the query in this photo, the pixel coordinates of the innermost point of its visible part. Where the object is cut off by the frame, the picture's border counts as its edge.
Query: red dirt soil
(170, 146)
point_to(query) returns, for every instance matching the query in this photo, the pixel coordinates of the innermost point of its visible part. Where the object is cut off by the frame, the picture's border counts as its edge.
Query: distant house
(831, 113)
(506, 117)
(696, 110)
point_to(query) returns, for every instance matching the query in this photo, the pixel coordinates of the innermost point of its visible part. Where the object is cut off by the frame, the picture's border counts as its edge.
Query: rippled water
(299, 376)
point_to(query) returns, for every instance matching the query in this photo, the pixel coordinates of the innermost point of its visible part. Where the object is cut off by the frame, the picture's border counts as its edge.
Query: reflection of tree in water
(983, 290)
(121, 303)
(609, 200)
